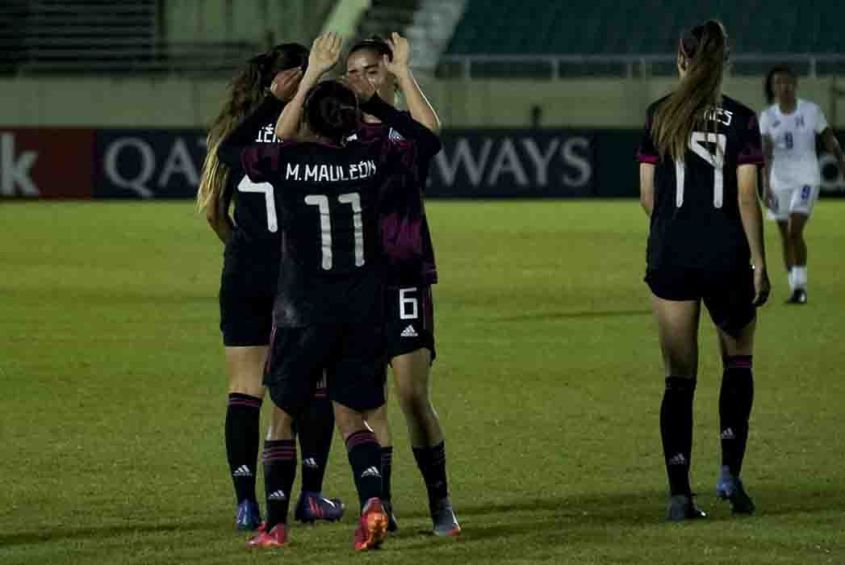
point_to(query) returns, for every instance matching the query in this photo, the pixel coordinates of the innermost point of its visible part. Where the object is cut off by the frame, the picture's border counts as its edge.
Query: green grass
(548, 382)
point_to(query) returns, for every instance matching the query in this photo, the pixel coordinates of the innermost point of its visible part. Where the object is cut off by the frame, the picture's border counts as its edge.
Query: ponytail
(246, 90)
(245, 93)
(704, 51)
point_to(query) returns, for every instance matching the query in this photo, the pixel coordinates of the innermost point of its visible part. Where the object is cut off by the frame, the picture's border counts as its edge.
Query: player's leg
(779, 212)
(801, 206)
(245, 321)
(786, 249)
(736, 398)
(315, 430)
(378, 422)
(356, 386)
(412, 375)
(296, 355)
(730, 307)
(677, 322)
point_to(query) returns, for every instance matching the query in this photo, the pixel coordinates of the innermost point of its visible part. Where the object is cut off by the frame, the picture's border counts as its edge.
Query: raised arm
(752, 224)
(325, 52)
(418, 105)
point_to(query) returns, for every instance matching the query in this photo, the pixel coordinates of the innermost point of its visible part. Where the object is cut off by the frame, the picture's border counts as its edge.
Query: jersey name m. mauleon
(695, 222)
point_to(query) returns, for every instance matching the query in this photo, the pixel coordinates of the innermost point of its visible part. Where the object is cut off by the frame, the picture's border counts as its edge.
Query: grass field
(548, 382)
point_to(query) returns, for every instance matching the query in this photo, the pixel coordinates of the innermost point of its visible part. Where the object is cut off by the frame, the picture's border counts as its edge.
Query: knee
(415, 402)
(795, 233)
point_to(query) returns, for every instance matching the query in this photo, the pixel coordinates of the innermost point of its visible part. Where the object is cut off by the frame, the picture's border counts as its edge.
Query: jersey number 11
(717, 160)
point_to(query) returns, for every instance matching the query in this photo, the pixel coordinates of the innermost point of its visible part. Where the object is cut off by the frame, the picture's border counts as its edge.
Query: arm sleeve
(647, 152)
(427, 142)
(821, 121)
(750, 143)
(243, 135)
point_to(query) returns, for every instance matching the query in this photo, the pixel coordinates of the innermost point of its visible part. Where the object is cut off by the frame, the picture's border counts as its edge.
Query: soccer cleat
(248, 516)
(372, 526)
(392, 524)
(730, 488)
(313, 506)
(277, 537)
(444, 519)
(682, 508)
(798, 296)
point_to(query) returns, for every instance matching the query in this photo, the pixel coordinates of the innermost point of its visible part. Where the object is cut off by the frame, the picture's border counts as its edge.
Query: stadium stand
(602, 31)
(146, 36)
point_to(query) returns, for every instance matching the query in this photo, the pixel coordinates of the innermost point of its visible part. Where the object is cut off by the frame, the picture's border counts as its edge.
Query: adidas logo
(728, 433)
(310, 462)
(242, 471)
(678, 459)
(409, 332)
(276, 495)
(370, 472)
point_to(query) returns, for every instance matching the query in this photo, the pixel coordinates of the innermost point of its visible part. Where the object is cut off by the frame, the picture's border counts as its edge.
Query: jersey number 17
(717, 160)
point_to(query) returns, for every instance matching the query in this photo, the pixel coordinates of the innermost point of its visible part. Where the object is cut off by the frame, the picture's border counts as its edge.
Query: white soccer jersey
(795, 163)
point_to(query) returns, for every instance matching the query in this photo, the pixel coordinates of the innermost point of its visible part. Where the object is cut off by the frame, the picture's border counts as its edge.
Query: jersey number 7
(717, 160)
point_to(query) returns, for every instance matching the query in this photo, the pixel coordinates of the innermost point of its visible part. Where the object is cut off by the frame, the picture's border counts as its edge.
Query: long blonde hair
(246, 91)
(703, 51)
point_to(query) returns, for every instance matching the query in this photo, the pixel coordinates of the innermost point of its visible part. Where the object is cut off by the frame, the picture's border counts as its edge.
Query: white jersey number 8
(717, 160)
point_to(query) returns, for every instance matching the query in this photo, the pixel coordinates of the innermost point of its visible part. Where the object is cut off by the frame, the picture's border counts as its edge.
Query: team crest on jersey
(799, 122)
(395, 135)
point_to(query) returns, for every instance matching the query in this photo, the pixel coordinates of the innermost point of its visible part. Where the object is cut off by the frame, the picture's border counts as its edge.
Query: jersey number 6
(717, 159)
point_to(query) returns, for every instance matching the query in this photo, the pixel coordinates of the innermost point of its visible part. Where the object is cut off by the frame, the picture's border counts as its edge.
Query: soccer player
(248, 285)
(789, 128)
(328, 310)
(411, 272)
(699, 158)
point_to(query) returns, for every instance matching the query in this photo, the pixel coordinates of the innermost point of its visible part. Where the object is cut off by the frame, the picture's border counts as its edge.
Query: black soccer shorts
(409, 320)
(246, 307)
(728, 296)
(352, 356)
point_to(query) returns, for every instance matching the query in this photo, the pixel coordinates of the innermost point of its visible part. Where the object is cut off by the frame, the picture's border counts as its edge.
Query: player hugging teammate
(248, 286)
(699, 159)
(326, 187)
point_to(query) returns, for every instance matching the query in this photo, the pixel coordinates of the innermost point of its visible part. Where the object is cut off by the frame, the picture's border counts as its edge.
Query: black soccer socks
(365, 458)
(431, 462)
(386, 470)
(315, 428)
(735, 400)
(676, 431)
(279, 459)
(242, 440)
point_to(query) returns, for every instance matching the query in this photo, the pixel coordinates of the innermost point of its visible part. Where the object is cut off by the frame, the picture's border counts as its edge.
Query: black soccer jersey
(695, 223)
(256, 234)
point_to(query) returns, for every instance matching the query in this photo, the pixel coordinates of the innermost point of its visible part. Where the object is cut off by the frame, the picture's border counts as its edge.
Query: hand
(762, 286)
(401, 55)
(362, 87)
(325, 51)
(285, 83)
